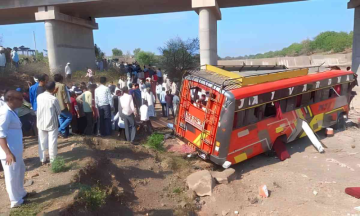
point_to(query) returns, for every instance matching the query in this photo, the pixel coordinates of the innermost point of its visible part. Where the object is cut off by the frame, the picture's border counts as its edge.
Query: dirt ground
(142, 181)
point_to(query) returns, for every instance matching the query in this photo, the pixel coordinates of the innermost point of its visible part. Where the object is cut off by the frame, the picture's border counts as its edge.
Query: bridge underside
(22, 11)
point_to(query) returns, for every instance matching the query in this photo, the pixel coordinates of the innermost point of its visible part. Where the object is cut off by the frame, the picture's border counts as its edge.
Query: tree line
(329, 42)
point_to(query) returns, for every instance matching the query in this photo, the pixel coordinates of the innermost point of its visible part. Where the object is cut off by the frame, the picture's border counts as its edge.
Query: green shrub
(58, 165)
(155, 141)
(92, 197)
(177, 190)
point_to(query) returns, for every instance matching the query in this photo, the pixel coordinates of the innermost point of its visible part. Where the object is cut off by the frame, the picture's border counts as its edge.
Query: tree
(146, 58)
(179, 56)
(117, 52)
(136, 51)
(98, 53)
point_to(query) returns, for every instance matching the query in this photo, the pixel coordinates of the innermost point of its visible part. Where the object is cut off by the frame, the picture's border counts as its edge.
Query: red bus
(229, 115)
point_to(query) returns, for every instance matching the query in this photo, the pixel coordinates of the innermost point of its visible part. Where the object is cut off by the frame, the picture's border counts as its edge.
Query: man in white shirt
(122, 83)
(144, 117)
(173, 88)
(68, 72)
(104, 102)
(47, 123)
(176, 101)
(158, 90)
(128, 111)
(11, 148)
(150, 98)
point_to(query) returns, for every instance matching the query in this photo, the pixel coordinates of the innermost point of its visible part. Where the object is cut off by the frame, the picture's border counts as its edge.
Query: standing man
(43, 79)
(11, 148)
(33, 93)
(128, 110)
(169, 104)
(47, 122)
(65, 116)
(176, 101)
(173, 88)
(15, 57)
(163, 101)
(159, 75)
(104, 102)
(68, 72)
(86, 98)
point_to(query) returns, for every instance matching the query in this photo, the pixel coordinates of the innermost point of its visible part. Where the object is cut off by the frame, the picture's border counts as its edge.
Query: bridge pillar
(68, 39)
(356, 42)
(209, 13)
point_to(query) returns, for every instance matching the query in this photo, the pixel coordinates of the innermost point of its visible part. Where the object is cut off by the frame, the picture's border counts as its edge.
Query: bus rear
(201, 104)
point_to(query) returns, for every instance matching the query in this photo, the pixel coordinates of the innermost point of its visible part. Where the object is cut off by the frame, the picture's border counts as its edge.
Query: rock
(225, 176)
(224, 213)
(315, 192)
(201, 182)
(73, 146)
(28, 183)
(34, 175)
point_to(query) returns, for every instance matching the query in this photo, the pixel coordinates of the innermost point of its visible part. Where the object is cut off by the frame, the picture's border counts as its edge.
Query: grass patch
(30, 209)
(58, 165)
(92, 197)
(177, 190)
(155, 141)
(178, 163)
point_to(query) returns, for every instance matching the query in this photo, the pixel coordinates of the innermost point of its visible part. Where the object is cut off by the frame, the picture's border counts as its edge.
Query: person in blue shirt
(33, 94)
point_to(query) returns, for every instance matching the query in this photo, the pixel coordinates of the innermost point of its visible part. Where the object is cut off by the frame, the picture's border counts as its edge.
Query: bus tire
(341, 122)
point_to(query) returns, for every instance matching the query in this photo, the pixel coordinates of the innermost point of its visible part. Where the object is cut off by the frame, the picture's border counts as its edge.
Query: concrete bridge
(69, 24)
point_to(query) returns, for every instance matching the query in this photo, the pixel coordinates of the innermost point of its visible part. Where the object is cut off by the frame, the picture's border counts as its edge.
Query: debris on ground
(315, 192)
(263, 191)
(28, 183)
(353, 191)
(201, 182)
(225, 176)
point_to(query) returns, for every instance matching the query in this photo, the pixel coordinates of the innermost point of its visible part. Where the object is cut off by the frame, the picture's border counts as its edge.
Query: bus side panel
(252, 140)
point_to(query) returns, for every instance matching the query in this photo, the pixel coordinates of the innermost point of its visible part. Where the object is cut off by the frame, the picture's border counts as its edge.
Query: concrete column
(207, 36)
(356, 42)
(209, 14)
(68, 39)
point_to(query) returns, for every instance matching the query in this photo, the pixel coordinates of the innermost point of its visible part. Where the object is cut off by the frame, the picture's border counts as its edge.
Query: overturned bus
(233, 113)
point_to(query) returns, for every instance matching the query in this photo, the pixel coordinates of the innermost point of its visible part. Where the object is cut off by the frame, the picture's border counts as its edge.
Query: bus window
(298, 101)
(317, 97)
(270, 110)
(250, 117)
(344, 89)
(239, 119)
(325, 94)
(283, 105)
(290, 104)
(307, 99)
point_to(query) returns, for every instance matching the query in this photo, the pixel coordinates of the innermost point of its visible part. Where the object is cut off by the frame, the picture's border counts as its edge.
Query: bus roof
(257, 89)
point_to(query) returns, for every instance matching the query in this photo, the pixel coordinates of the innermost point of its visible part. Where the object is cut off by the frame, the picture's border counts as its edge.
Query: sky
(242, 30)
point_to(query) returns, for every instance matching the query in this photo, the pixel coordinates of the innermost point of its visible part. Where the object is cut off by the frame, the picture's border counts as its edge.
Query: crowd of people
(56, 107)
(8, 58)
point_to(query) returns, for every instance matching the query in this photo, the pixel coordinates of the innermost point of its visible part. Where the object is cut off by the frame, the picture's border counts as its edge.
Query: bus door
(199, 114)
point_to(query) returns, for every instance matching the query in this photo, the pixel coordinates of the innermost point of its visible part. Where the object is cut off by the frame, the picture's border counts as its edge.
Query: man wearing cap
(68, 71)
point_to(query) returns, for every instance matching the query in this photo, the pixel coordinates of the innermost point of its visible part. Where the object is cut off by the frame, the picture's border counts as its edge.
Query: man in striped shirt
(48, 109)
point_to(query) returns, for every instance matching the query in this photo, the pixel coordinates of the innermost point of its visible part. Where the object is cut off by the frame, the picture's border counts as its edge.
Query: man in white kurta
(11, 148)
(48, 109)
